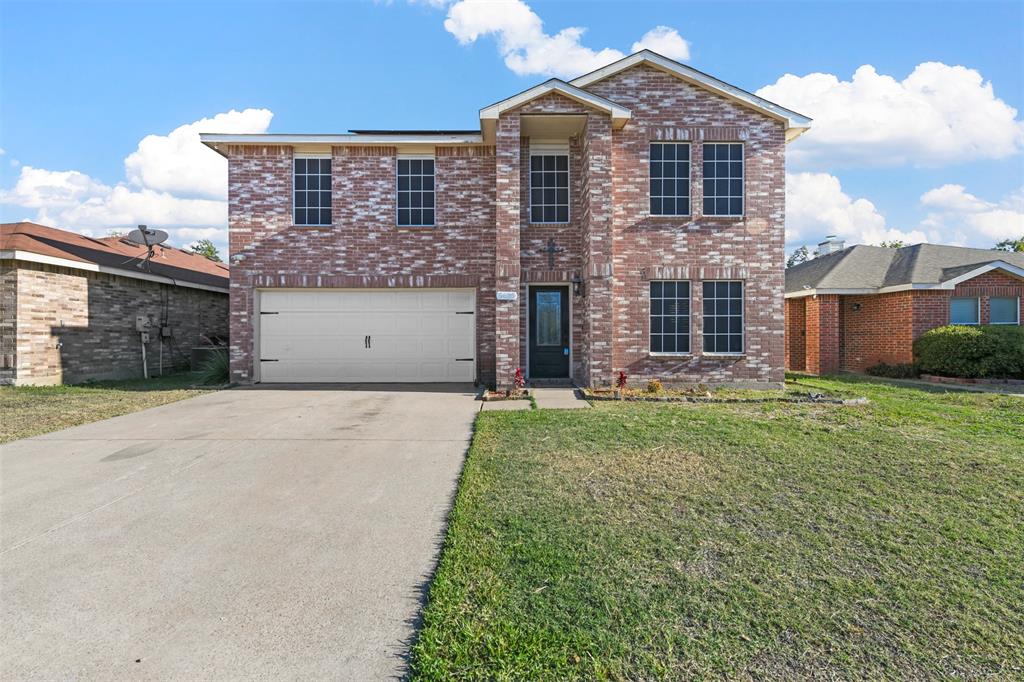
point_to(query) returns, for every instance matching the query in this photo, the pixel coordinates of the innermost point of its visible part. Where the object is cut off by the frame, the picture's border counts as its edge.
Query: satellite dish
(147, 237)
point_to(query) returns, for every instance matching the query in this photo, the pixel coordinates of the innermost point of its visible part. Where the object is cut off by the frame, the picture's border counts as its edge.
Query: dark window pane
(549, 196)
(562, 163)
(403, 182)
(415, 199)
(656, 325)
(655, 152)
(403, 216)
(415, 182)
(300, 216)
(562, 197)
(682, 169)
(549, 214)
(415, 166)
(403, 166)
(735, 188)
(669, 153)
(325, 216)
(656, 207)
(656, 306)
(669, 206)
(536, 163)
(549, 163)
(736, 153)
(683, 206)
(428, 217)
(669, 325)
(312, 182)
(709, 207)
(683, 343)
(656, 170)
(655, 343)
(325, 199)
(735, 325)
(563, 214)
(300, 165)
(736, 206)
(721, 206)
(656, 288)
(536, 214)
(300, 182)
(709, 152)
(710, 324)
(403, 200)
(536, 196)
(669, 289)
(428, 182)
(428, 200)
(415, 217)
(735, 343)
(668, 344)
(655, 188)
(428, 166)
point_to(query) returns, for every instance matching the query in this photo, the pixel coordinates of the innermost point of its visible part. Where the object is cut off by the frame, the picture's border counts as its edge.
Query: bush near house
(904, 370)
(989, 351)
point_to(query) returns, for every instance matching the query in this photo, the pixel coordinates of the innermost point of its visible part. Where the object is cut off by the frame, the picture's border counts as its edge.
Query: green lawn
(639, 541)
(31, 410)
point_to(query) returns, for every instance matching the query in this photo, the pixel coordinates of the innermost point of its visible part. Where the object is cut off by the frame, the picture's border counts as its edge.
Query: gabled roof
(618, 113)
(796, 124)
(115, 255)
(875, 269)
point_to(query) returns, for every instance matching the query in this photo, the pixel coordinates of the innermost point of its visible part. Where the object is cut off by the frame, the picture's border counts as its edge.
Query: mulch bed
(519, 394)
(812, 398)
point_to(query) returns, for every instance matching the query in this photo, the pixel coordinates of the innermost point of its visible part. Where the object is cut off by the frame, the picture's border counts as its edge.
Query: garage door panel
(416, 335)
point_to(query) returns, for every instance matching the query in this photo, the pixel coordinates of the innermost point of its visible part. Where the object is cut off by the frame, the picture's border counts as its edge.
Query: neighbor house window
(670, 317)
(549, 188)
(312, 191)
(723, 317)
(670, 178)
(416, 192)
(723, 179)
(1004, 310)
(964, 311)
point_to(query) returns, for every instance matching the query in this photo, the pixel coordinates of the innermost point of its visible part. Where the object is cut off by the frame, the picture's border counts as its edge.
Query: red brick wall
(875, 328)
(822, 334)
(994, 283)
(796, 334)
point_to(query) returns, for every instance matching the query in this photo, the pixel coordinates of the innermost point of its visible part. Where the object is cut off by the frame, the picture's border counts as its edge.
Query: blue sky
(938, 158)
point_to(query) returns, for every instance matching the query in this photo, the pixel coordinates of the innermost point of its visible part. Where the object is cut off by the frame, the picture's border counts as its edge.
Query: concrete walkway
(240, 535)
(558, 399)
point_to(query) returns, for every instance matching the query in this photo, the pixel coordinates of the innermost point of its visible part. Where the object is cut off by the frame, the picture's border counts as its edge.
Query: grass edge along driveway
(27, 411)
(638, 541)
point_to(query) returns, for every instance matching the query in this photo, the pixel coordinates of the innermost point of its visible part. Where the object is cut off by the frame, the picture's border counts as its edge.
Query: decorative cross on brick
(551, 250)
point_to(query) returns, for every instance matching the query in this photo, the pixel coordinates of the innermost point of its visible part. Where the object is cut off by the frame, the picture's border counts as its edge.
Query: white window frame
(295, 191)
(689, 181)
(1016, 309)
(416, 157)
(977, 308)
(540, 151)
(689, 319)
(743, 320)
(743, 181)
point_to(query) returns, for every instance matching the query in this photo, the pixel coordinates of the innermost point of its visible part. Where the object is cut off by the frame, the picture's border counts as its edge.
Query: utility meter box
(141, 323)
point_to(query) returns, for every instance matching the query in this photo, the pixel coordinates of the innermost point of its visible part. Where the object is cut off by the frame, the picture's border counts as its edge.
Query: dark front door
(549, 332)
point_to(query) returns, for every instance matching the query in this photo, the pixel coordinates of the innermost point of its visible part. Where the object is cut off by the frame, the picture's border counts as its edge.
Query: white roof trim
(214, 140)
(822, 292)
(796, 124)
(619, 114)
(988, 267)
(30, 257)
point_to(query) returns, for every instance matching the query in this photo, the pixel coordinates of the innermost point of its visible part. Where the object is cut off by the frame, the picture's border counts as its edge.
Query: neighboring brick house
(860, 306)
(69, 303)
(629, 220)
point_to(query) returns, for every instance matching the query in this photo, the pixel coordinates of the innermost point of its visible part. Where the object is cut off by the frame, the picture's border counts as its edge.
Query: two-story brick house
(629, 220)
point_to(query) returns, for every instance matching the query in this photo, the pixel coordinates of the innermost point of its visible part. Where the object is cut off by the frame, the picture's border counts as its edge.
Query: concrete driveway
(272, 533)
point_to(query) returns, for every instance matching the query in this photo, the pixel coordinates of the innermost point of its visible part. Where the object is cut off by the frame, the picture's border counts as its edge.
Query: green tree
(893, 244)
(204, 247)
(1016, 245)
(801, 255)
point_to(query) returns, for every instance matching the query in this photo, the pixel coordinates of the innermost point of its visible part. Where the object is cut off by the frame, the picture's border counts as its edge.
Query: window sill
(331, 225)
(549, 224)
(705, 216)
(657, 216)
(669, 355)
(724, 355)
(415, 227)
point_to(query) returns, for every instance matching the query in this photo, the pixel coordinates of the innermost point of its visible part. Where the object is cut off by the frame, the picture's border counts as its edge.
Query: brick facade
(483, 237)
(62, 325)
(831, 333)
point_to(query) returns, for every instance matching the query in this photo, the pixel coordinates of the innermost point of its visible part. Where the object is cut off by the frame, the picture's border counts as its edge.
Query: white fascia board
(822, 292)
(30, 257)
(618, 113)
(214, 140)
(796, 124)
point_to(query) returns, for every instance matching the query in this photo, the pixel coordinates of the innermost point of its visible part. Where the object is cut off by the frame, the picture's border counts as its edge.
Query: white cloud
(938, 114)
(955, 211)
(816, 206)
(180, 164)
(528, 50)
(172, 182)
(665, 41)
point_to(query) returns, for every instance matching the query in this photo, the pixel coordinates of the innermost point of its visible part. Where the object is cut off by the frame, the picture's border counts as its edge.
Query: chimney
(830, 245)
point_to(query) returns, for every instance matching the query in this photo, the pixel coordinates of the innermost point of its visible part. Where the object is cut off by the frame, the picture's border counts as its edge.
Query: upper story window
(723, 179)
(964, 310)
(1004, 310)
(415, 192)
(723, 317)
(670, 178)
(670, 317)
(549, 188)
(312, 191)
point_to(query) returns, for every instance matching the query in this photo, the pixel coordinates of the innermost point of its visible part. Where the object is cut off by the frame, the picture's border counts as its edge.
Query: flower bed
(964, 380)
(515, 394)
(635, 395)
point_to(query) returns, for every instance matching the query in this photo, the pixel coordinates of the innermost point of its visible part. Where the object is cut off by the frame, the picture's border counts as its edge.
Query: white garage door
(367, 335)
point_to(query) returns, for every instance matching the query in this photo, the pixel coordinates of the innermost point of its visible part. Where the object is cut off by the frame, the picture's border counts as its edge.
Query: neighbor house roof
(795, 123)
(114, 255)
(875, 269)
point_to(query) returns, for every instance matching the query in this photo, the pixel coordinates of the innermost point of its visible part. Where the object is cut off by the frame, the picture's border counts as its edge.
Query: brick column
(822, 334)
(507, 265)
(597, 250)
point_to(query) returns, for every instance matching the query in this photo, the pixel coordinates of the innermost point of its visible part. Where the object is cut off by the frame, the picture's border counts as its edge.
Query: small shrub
(216, 369)
(620, 381)
(518, 379)
(990, 351)
(654, 386)
(903, 370)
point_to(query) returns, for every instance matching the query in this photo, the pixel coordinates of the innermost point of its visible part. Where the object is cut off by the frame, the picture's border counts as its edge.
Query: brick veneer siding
(71, 326)
(483, 233)
(695, 248)
(884, 327)
(8, 321)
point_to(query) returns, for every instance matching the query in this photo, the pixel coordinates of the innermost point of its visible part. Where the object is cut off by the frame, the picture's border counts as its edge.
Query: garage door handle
(463, 359)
